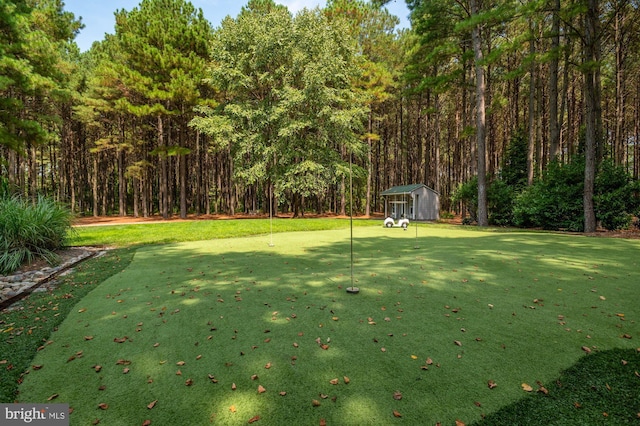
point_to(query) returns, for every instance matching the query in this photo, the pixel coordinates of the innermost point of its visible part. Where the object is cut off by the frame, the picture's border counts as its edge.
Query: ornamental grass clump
(30, 230)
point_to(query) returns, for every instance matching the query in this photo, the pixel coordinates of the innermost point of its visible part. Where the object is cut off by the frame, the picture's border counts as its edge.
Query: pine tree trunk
(94, 183)
(122, 185)
(619, 149)
(591, 119)
(370, 130)
(480, 120)
(164, 178)
(554, 127)
(183, 186)
(532, 112)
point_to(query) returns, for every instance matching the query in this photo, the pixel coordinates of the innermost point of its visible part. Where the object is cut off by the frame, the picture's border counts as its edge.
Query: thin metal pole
(270, 216)
(351, 214)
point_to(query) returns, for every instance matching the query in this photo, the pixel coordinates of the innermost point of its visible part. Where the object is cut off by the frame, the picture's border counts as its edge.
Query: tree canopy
(171, 115)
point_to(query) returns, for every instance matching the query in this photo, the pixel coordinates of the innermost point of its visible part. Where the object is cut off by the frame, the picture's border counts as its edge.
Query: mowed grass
(226, 331)
(173, 232)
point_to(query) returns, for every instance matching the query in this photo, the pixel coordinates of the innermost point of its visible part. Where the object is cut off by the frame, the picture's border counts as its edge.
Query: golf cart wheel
(389, 225)
(404, 225)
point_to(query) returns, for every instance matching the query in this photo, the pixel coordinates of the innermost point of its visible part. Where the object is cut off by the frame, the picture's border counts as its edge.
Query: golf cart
(401, 223)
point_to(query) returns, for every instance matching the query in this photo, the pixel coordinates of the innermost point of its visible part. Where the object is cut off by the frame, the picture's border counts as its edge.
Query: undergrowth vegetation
(31, 229)
(554, 200)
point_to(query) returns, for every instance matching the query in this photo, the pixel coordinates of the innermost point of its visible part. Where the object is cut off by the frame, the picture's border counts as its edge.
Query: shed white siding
(416, 202)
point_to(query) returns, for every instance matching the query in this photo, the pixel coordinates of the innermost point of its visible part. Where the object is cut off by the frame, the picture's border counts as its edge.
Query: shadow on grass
(433, 324)
(28, 325)
(603, 388)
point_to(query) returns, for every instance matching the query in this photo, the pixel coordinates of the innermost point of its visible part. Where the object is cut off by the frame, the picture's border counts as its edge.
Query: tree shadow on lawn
(430, 328)
(603, 388)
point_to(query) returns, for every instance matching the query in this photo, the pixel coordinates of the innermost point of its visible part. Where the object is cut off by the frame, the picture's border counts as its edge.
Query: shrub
(499, 201)
(467, 194)
(555, 201)
(614, 196)
(514, 164)
(500, 198)
(29, 230)
(447, 215)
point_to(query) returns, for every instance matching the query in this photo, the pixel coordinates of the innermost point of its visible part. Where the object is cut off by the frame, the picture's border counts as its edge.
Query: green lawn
(173, 232)
(184, 324)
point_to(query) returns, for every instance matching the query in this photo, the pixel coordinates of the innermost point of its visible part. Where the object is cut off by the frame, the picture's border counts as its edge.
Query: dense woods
(499, 106)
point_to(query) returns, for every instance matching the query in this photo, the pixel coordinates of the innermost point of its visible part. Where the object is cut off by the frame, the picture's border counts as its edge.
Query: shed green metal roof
(404, 189)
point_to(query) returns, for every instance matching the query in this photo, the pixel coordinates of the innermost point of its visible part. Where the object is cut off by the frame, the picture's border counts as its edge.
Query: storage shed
(415, 202)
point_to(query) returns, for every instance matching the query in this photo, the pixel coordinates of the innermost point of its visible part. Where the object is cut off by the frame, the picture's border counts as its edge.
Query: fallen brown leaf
(491, 384)
(396, 413)
(253, 419)
(334, 381)
(52, 397)
(397, 395)
(346, 380)
(152, 404)
(526, 387)
(189, 382)
(146, 422)
(103, 406)
(315, 403)
(261, 389)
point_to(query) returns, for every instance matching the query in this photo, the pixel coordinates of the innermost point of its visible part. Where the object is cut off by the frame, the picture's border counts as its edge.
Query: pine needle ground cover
(234, 331)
